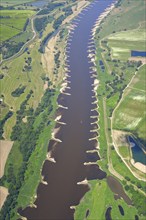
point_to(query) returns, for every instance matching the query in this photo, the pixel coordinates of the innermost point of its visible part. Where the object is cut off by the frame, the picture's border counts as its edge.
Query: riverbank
(108, 96)
(77, 124)
(33, 175)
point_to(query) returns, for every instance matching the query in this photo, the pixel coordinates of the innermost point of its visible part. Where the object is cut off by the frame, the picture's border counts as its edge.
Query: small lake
(137, 152)
(38, 4)
(135, 53)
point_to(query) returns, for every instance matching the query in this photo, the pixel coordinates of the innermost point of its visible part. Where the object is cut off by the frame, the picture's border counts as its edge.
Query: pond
(135, 53)
(137, 152)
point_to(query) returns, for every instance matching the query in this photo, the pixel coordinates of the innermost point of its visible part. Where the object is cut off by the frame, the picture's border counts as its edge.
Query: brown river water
(62, 191)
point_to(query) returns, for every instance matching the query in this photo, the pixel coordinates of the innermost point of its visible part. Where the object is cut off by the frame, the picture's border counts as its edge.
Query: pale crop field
(131, 113)
(122, 43)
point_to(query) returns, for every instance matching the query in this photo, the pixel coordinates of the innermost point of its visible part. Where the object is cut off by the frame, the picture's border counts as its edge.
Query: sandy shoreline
(141, 167)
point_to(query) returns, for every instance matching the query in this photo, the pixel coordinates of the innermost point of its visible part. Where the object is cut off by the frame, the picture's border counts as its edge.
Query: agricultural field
(14, 2)
(122, 43)
(13, 22)
(130, 114)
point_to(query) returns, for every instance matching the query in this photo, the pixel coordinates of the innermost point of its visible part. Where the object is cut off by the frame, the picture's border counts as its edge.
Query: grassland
(130, 115)
(122, 43)
(12, 22)
(14, 77)
(14, 2)
(96, 206)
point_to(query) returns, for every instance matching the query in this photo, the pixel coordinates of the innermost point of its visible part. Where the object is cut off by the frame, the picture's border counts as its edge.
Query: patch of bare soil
(3, 195)
(120, 138)
(5, 148)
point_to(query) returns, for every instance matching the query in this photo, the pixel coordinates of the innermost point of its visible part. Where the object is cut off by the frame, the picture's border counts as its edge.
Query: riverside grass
(97, 206)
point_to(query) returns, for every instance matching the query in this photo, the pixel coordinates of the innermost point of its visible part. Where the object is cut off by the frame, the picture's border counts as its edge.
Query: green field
(120, 20)
(13, 22)
(122, 43)
(130, 115)
(98, 200)
(14, 76)
(14, 2)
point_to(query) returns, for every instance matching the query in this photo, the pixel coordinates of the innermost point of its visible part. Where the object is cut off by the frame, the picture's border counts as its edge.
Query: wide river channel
(62, 191)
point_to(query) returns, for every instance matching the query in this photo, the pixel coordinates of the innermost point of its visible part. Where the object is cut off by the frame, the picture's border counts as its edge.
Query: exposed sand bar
(139, 166)
(58, 118)
(3, 195)
(5, 148)
(84, 182)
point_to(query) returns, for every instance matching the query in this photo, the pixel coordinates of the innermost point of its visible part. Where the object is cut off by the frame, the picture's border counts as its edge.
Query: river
(54, 200)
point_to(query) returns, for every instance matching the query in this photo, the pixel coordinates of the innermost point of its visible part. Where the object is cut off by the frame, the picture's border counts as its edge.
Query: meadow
(12, 22)
(122, 43)
(14, 2)
(14, 76)
(97, 208)
(130, 114)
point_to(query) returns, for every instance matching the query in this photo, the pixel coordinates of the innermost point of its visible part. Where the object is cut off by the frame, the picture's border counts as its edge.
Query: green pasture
(124, 151)
(98, 199)
(14, 2)
(14, 76)
(122, 43)
(13, 22)
(7, 32)
(130, 115)
(130, 15)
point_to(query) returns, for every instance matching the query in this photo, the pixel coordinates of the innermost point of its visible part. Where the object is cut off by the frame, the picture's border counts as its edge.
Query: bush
(17, 92)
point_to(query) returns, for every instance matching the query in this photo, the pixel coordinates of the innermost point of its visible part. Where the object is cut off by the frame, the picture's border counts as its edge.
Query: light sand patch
(3, 195)
(24, 119)
(96, 83)
(119, 50)
(134, 123)
(132, 35)
(63, 87)
(54, 133)
(139, 98)
(129, 121)
(48, 57)
(84, 182)
(139, 166)
(76, 10)
(58, 118)
(46, 85)
(120, 138)
(5, 148)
